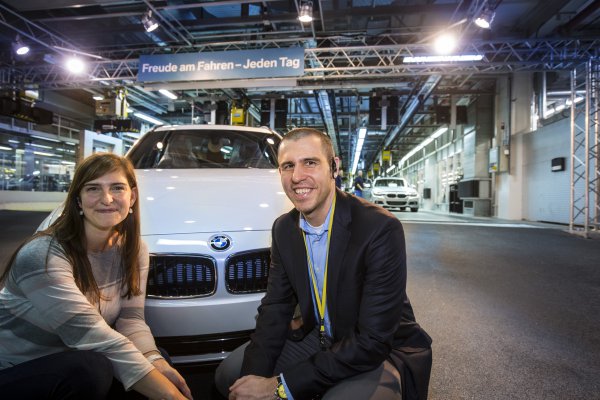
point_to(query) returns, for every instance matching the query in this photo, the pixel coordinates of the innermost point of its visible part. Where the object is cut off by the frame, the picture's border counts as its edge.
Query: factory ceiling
(355, 53)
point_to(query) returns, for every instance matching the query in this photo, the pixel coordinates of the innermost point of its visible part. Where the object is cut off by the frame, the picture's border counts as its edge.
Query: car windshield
(205, 148)
(389, 183)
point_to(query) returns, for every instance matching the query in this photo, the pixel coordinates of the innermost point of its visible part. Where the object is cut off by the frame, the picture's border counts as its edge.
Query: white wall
(517, 96)
(469, 156)
(430, 181)
(525, 186)
(547, 194)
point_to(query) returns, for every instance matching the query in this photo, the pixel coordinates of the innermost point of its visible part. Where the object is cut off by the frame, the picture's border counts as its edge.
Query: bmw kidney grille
(248, 272)
(181, 276)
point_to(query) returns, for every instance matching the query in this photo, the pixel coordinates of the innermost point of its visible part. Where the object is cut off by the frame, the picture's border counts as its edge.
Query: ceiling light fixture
(424, 143)
(362, 134)
(78, 52)
(75, 65)
(149, 22)
(445, 43)
(441, 59)
(306, 10)
(168, 94)
(19, 47)
(148, 118)
(485, 19)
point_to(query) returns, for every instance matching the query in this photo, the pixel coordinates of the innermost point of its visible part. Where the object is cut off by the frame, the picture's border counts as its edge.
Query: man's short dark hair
(299, 133)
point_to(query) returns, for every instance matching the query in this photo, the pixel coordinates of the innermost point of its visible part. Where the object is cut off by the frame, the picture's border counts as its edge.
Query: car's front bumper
(202, 329)
(202, 316)
(220, 317)
(395, 201)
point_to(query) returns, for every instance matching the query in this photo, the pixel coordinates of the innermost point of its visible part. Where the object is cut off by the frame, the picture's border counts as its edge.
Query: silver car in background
(391, 192)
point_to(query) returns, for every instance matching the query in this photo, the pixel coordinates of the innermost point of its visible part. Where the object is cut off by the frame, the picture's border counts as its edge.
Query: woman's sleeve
(131, 322)
(46, 280)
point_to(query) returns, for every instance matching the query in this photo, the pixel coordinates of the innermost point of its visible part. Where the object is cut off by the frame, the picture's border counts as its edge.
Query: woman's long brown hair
(68, 229)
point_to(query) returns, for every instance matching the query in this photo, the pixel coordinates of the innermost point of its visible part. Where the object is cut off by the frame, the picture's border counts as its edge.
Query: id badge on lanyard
(325, 340)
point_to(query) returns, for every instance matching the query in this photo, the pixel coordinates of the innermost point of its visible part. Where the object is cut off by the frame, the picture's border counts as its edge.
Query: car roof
(389, 177)
(208, 127)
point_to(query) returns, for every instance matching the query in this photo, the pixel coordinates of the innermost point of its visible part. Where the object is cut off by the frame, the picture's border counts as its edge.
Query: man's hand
(252, 387)
(172, 375)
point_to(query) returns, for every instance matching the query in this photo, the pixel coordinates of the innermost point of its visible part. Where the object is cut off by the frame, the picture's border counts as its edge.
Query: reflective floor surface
(513, 308)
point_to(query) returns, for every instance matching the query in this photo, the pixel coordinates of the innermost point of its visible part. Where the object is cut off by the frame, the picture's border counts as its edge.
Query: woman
(71, 310)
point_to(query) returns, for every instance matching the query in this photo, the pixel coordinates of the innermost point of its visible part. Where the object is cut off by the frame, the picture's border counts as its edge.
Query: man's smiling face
(306, 177)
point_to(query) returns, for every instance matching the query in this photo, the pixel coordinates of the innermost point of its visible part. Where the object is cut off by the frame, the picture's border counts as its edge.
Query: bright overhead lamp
(445, 43)
(149, 22)
(306, 10)
(168, 94)
(75, 65)
(19, 47)
(484, 20)
(98, 97)
(362, 134)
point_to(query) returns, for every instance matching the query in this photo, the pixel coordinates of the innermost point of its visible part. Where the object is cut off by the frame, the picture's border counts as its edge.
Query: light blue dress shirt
(316, 241)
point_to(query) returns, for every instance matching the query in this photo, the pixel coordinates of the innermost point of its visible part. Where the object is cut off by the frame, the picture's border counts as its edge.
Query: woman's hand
(175, 377)
(156, 386)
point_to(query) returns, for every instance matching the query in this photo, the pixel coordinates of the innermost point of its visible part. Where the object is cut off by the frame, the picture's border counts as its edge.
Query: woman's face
(105, 201)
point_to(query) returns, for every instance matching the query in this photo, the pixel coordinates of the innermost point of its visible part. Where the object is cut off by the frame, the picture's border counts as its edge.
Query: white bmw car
(391, 192)
(208, 197)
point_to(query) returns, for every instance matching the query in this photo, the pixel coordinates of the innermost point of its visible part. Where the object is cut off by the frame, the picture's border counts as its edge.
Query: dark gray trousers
(382, 383)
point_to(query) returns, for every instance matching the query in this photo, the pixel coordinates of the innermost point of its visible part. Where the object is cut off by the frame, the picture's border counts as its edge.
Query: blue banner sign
(242, 64)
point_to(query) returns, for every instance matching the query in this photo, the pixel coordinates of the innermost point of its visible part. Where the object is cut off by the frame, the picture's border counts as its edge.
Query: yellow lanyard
(321, 300)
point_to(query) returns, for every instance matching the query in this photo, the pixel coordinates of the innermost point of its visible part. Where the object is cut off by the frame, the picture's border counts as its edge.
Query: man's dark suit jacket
(371, 317)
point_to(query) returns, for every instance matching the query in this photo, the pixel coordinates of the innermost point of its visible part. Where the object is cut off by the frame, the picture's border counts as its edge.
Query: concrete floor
(513, 309)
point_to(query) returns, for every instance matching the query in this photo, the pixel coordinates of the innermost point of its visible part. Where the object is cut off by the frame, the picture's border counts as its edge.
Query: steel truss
(340, 61)
(584, 215)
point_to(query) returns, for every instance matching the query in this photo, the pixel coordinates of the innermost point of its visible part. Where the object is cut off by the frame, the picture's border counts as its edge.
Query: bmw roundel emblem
(220, 242)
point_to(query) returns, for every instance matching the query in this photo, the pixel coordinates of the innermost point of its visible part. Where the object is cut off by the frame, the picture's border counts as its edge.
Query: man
(359, 184)
(339, 178)
(214, 153)
(342, 261)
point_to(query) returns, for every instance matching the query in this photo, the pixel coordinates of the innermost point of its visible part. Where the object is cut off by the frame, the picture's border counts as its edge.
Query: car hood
(209, 200)
(397, 189)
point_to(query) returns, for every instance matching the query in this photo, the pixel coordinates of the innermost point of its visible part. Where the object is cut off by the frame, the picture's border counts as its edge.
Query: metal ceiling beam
(326, 113)
(351, 63)
(94, 15)
(138, 98)
(365, 11)
(334, 116)
(413, 105)
(33, 31)
(169, 25)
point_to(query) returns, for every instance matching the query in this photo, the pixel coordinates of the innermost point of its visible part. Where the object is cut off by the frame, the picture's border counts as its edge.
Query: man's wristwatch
(280, 390)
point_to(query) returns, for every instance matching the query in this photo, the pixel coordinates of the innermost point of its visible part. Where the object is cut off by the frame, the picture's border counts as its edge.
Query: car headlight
(377, 192)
